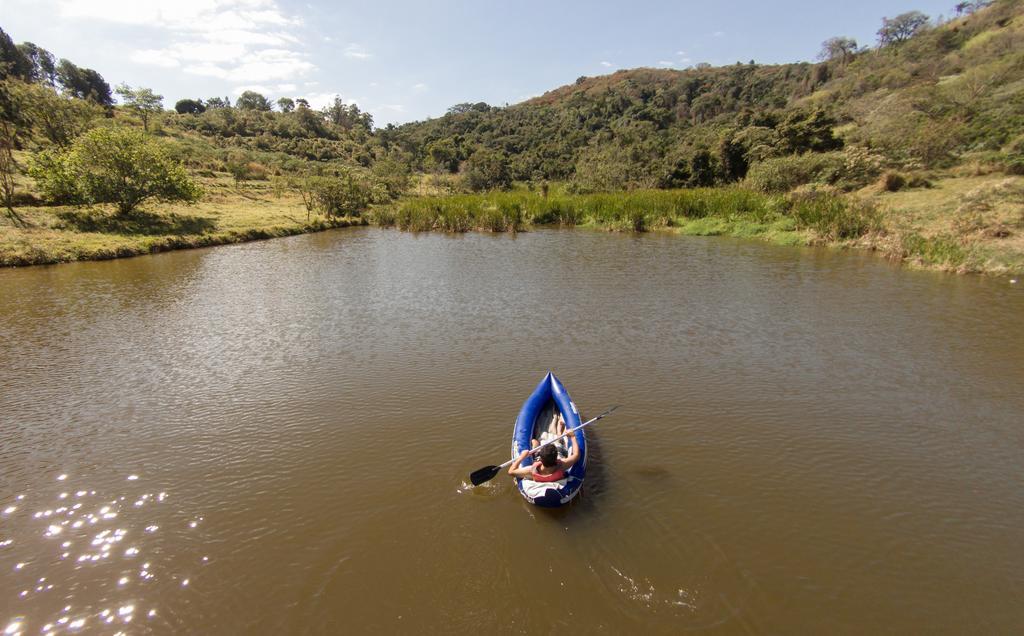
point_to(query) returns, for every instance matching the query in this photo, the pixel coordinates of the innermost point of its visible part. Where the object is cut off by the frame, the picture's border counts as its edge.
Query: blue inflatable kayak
(537, 420)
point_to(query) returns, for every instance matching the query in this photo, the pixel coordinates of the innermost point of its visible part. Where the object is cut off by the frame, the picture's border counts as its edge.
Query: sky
(409, 60)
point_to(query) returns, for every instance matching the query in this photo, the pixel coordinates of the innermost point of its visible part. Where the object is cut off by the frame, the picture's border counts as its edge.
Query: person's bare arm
(516, 470)
(574, 452)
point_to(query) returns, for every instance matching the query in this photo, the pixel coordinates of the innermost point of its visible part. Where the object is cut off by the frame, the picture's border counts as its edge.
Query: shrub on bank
(831, 216)
(942, 251)
(892, 182)
(782, 174)
(113, 165)
(344, 195)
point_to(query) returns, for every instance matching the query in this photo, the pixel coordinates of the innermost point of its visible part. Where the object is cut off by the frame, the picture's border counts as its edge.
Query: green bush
(1013, 157)
(487, 170)
(113, 165)
(347, 194)
(937, 250)
(892, 182)
(782, 174)
(861, 168)
(833, 217)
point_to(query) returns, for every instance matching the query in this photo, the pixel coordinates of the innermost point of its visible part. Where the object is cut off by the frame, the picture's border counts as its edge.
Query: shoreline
(185, 242)
(790, 239)
(915, 228)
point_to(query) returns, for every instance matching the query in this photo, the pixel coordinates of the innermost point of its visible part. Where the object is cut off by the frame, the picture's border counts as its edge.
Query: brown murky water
(274, 437)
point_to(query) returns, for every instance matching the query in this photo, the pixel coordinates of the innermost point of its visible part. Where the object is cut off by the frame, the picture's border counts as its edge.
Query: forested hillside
(925, 97)
(928, 100)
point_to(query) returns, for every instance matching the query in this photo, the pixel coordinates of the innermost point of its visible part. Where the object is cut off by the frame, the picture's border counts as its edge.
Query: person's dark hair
(548, 456)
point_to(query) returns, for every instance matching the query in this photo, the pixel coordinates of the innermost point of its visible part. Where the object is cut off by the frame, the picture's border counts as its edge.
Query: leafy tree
(702, 169)
(393, 176)
(347, 194)
(141, 100)
(458, 109)
(218, 102)
(607, 167)
(487, 170)
(286, 104)
(238, 168)
(13, 62)
(83, 83)
(967, 8)
(901, 28)
(12, 117)
(44, 66)
(251, 100)
(468, 107)
(838, 49)
(58, 118)
(732, 159)
(444, 154)
(311, 124)
(190, 106)
(813, 131)
(301, 103)
(113, 165)
(347, 116)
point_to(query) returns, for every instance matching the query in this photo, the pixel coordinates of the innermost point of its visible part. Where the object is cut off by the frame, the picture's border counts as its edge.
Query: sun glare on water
(79, 542)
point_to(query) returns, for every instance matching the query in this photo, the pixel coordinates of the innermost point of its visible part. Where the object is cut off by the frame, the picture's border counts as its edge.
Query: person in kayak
(550, 467)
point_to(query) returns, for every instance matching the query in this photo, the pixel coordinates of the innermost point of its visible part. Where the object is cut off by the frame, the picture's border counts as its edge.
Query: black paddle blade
(486, 473)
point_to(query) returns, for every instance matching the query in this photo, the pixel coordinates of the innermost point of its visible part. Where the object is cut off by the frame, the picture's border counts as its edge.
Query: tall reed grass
(635, 211)
(735, 211)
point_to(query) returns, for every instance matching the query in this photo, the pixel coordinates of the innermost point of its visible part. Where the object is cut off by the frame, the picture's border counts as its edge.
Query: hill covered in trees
(926, 96)
(926, 101)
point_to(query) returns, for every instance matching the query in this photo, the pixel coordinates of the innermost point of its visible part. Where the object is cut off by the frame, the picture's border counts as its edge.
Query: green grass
(697, 212)
(229, 213)
(635, 211)
(944, 252)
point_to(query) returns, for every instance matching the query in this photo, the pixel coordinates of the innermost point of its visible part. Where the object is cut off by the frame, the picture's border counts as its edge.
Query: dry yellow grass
(980, 217)
(228, 213)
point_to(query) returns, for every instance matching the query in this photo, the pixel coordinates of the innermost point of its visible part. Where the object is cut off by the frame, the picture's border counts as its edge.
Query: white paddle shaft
(552, 441)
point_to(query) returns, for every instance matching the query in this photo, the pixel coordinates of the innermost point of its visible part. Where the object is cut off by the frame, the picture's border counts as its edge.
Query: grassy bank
(969, 223)
(798, 218)
(962, 224)
(228, 213)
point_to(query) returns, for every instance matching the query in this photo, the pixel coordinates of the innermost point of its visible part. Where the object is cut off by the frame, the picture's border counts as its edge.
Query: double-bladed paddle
(487, 473)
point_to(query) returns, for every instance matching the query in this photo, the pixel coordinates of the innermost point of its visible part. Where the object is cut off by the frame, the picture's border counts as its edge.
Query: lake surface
(275, 437)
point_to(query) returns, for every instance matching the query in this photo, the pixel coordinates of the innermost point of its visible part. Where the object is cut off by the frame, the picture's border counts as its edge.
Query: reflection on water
(275, 437)
(97, 542)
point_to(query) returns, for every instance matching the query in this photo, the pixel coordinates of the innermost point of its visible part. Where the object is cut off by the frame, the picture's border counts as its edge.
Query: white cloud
(286, 88)
(258, 66)
(240, 40)
(374, 84)
(152, 57)
(263, 90)
(718, 34)
(398, 108)
(357, 52)
(682, 53)
(277, 38)
(665, 63)
(606, 64)
(189, 15)
(420, 87)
